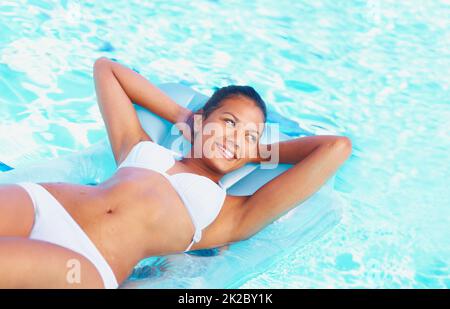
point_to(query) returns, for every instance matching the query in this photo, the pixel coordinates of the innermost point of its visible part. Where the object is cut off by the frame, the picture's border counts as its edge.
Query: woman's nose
(236, 141)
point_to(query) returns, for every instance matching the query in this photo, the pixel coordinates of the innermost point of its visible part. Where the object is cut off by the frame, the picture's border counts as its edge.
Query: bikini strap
(196, 238)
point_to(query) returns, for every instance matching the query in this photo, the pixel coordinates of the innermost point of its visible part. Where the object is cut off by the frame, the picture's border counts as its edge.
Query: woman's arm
(293, 150)
(316, 159)
(316, 163)
(144, 93)
(116, 87)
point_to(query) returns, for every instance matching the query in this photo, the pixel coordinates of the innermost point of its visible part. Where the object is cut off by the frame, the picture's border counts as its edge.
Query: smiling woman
(380, 78)
(154, 204)
(224, 94)
(220, 134)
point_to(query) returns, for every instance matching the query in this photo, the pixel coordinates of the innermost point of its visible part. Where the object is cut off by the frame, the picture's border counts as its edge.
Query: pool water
(375, 71)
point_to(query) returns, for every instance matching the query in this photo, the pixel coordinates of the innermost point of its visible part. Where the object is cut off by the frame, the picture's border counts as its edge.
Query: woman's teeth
(227, 154)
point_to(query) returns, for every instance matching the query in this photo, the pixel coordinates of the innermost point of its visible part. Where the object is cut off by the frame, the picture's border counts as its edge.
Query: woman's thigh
(16, 211)
(28, 263)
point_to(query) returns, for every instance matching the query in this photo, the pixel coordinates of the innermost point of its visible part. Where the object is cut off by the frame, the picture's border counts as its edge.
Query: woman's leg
(16, 211)
(28, 263)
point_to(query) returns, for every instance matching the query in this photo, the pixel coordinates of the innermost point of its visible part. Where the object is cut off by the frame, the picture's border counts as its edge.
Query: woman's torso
(134, 214)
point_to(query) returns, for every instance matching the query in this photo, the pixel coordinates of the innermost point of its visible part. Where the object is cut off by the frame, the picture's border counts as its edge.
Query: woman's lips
(225, 152)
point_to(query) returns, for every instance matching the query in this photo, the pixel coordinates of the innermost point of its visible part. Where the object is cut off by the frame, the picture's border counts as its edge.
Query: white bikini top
(202, 197)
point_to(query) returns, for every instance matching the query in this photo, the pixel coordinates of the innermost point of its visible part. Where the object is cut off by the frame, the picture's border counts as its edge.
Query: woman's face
(230, 134)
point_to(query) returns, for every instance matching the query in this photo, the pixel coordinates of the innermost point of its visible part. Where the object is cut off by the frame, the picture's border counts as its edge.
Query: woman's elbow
(102, 61)
(343, 144)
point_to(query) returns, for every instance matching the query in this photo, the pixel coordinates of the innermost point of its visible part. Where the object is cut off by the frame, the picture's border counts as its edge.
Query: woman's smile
(227, 154)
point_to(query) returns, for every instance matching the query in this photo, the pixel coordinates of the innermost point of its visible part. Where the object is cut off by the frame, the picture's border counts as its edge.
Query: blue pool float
(224, 267)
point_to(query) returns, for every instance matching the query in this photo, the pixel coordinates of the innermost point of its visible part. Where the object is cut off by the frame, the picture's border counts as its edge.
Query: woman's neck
(198, 166)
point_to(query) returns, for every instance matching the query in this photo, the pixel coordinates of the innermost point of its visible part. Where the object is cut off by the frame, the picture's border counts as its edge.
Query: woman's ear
(198, 119)
(195, 123)
(198, 113)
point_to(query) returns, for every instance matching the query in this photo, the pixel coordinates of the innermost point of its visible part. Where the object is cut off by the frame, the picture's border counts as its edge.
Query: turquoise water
(375, 71)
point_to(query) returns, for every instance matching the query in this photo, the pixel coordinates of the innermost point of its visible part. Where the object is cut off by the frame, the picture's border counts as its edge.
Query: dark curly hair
(232, 91)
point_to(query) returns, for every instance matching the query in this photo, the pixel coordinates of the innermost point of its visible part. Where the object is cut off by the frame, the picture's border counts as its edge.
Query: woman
(79, 236)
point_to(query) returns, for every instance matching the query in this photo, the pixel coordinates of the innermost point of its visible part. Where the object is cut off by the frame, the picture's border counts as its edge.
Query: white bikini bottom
(52, 223)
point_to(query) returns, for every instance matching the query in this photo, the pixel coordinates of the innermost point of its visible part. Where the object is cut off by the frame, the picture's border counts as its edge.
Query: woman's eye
(230, 121)
(252, 138)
